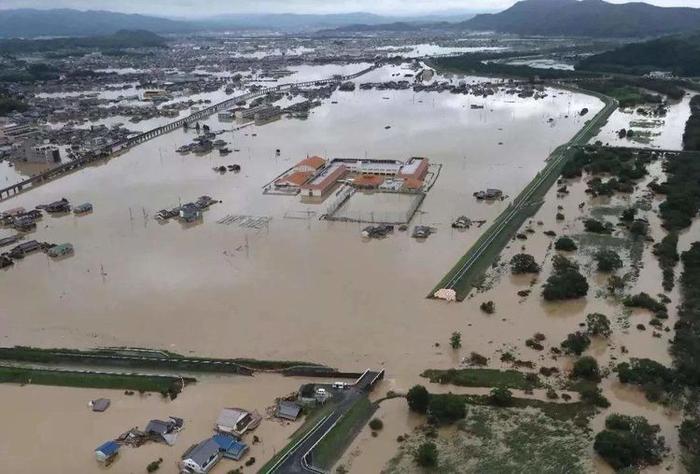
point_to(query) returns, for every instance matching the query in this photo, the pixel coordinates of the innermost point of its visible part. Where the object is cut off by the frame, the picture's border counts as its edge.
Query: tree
(639, 228)
(501, 396)
(560, 263)
(376, 424)
(426, 455)
(523, 263)
(615, 284)
(628, 214)
(456, 340)
(565, 244)
(576, 343)
(418, 399)
(608, 260)
(598, 325)
(587, 368)
(596, 226)
(566, 285)
(689, 435)
(446, 408)
(629, 441)
(488, 307)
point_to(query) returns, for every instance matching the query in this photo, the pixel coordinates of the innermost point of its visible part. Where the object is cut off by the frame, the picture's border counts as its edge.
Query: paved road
(523, 201)
(298, 459)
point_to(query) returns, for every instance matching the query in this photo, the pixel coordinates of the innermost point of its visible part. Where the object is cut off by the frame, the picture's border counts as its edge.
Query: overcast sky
(213, 7)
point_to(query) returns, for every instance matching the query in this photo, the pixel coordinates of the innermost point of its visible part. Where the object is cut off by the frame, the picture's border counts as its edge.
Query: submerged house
(230, 447)
(164, 431)
(190, 212)
(202, 457)
(107, 451)
(287, 410)
(237, 421)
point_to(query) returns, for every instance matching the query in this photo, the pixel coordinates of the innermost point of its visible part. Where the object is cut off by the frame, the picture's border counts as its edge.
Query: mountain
(399, 26)
(677, 54)
(28, 23)
(595, 18)
(288, 21)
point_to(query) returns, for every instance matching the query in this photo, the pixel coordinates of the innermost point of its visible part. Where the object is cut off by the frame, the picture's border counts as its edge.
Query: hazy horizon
(192, 9)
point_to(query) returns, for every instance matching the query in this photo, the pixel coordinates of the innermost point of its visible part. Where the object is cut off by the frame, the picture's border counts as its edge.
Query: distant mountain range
(29, 23)
(677, 54)
(594, 18)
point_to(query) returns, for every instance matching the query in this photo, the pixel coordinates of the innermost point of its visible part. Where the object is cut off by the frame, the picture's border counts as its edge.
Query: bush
(628, 214)
(560, 263)
(576, 343)
(643, 300)
(608, 261)
(523, 263)
(569, 284)
(629, 442)
(587, 368)
(615, 284)
(418, 399)
(426, 455)
(456, 340)
(565, 244)
(447, 408)
(501, 396)
(376, 424)
(488, 307)
(689, 435)
(596, 226)
(153, 466)
(598, 325)
(593, 395)
(639, 228)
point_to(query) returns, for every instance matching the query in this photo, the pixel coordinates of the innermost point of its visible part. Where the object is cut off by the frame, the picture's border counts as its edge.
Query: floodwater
(433, 49)
(298, 288)
(665, 133)
(57, 422)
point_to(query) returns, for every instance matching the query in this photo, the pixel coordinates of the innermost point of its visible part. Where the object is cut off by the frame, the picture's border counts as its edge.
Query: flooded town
(454, 240)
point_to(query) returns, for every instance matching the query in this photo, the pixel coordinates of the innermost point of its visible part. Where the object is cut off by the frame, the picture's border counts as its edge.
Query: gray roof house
(287, 410)
(202, 457)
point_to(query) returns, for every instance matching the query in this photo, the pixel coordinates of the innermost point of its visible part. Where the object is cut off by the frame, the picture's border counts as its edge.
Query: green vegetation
(168, 386)
(587, 368)
(682, 190)
(501, 397)
(657, 381)
(565, 282)
(28, 72)
(643, 300)
(677, 54)
(10, 104)
(456, 340)
(691, 137)
(484, 378)
(376, 424)
(625, 165)
(144, 359)
(628, 442)
(488, 307)
(631, 91)
(686, 346)
(332, 446)
(418, 399)
(153, 466)
(446, 408)
(427, 455)
(598, 324)
(523, 263)
(565, 244)
(667, 253)
(607, 260)
(597, 227)
(576, 343)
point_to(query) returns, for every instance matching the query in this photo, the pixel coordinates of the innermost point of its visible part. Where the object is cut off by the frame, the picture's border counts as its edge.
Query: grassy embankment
(331, 447)
(141, 383)
(488, 247)
(511, 379)
(143, 359)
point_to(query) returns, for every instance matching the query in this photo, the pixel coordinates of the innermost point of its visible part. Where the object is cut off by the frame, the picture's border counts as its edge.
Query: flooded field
(665, 132)
(226, 290)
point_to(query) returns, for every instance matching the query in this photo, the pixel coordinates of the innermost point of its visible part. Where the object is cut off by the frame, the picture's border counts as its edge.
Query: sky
(184, 8)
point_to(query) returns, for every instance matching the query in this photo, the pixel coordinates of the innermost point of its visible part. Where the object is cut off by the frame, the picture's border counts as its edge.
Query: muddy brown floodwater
(298, 289)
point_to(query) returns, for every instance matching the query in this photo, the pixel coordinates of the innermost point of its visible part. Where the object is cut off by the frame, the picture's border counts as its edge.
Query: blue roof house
(231, 448)
(106, 451)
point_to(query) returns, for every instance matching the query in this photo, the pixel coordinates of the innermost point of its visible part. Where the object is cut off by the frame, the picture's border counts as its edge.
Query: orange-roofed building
(412, 183)
(368, 181)
(324, 181)
(311, 164)
(293, 179)
(414, 168)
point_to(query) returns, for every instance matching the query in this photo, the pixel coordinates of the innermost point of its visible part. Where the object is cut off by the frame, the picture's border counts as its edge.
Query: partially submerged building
(202, 457)
(230, 447)
(237, 421)
(107, 451)
(324, 181)
(287, 410)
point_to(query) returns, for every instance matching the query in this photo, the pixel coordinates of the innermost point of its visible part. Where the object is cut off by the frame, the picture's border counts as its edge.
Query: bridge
(118, 147)
(298, 458)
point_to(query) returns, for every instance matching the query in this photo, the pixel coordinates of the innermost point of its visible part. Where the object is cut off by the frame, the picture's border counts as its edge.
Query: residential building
(287, 410)
(106, 451)
(237, 421)
(202, 457)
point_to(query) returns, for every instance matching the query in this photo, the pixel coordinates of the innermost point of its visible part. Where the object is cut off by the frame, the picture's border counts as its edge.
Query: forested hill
(593, 18)
(677, 54)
